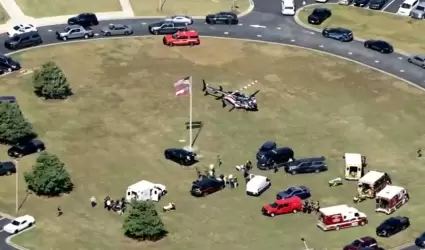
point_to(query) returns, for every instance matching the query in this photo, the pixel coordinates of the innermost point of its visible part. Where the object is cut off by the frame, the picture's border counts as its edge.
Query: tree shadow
(195, 125)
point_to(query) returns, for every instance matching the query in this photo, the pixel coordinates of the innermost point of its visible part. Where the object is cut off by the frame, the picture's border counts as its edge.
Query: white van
(288, 7)
(257, 185)
(407, 6)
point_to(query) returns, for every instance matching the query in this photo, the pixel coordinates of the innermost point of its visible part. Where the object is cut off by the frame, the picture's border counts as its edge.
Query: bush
(13, 127)
(143, 222)
(48, 176)
(50, 82)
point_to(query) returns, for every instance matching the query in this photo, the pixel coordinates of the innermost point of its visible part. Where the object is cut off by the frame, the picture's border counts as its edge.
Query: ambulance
(354, 166)
(339, 217)
(371, 183)
(391, 198)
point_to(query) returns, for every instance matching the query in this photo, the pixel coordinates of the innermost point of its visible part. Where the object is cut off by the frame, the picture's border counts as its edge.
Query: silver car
(419, 11)
(116, 30)
(417, 60)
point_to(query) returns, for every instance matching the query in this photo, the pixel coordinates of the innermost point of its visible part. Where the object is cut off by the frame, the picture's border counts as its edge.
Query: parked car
(361, 243)
(19, 224)
(180, 156)
(187, 20)
(419, 11)
(302, 192)
(307, 165)
(266, 147)
(340, 34)
(379, 45)
(420, 241)
(7, 168)
(84, 19)
(166, 28)
(290, 205)
(361, 3)
(206, 185)
(182, 38)
(377, 4)
(257, 185)
(222, 18)
(23, 40)
(319, 15)
(418, 60)
(8, 64)
(9, 99)
(275, 158)
(20, 29)
(74, 32)
(116, 30)
(26, 148)
(392, 226)
(345, 2)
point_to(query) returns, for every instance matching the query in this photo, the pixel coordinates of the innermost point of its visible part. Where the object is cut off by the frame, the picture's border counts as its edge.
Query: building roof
(142, 185)
(337, 210)
(371, 177)
(389, 192)
(353, 159)
(256, 180)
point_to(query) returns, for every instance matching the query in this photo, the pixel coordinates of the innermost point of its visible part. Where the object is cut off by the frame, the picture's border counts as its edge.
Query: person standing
(93, 201)
(60, 213)
(219, 162)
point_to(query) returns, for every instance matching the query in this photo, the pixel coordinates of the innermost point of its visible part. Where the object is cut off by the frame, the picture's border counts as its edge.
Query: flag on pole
(183, 86)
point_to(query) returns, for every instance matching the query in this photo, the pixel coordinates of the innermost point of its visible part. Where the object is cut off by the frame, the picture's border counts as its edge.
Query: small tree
(13, 126)
(48, 176)
(50, 82)
(143, 222)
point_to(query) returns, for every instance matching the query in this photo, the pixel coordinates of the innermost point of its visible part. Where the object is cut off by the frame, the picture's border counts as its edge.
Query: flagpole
(190, 115)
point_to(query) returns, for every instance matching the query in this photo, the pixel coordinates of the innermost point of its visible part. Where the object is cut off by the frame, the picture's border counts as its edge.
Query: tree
(143, 222)
(50, 82)
(13, 126)
(48, 176)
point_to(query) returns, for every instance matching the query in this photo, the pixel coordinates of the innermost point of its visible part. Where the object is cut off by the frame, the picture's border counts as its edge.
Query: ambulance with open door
(354, 166)
(391, 198)
(371, 183)
(339, 217)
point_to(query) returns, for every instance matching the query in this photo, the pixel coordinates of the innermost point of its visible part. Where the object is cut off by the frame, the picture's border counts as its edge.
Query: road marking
(226, 33)
(376, 61)
(401, 70)
(240, 24)
(400, 58)
(383, 9)
(144, 23)
(259, 36)
(350, 53)
(311, 32)
(257, 26)
(321, 46)
(96, 34)
(2, 218)
(1, 230)
(292, 40)
(278, 28)
(50, 30)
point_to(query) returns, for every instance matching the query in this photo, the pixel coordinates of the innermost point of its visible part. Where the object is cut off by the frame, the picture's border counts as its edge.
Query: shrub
(13, 127)
(50, 82)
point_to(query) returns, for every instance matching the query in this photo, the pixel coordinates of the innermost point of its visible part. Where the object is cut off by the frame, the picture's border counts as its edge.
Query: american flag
(183, 86)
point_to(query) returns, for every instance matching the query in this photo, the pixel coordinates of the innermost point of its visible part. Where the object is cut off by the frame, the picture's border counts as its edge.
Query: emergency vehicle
(354, 166)
(391, 198)
(339, 217)
(371, 183)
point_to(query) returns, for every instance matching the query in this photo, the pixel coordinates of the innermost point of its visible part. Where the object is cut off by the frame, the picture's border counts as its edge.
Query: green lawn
(4, 17)
(49, 8)
(113, 131)
(189, 7)
(404, 33)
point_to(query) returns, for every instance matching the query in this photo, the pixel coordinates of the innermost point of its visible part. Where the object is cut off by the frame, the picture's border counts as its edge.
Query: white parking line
(401, 70)
(292, 40)
(144, 23)
(96, 34)
(278, 28)
(1, 230)
(400, 58)
(312, 33)
(2, 218)
(259, 36)
(350, 53)
(388, 5)
(321, 46)
(376, 61)
(240, 24)
(50, 30)
(226, 33)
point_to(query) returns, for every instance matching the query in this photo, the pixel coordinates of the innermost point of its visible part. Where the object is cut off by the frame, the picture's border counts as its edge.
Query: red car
(361, 243)
(285, 206)
(182, 38)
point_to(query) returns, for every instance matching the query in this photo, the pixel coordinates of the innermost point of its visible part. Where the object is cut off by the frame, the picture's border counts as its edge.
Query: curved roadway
(271, 26)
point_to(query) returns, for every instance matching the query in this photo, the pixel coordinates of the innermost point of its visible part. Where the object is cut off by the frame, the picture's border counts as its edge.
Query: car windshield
(290, 190)
(406, 6)
(15, 223)
(175, 35)
(421, 8)
(67, 29)
(289, 8)
(273, 205)
(16, 27)
(15, 38)
(356, 243)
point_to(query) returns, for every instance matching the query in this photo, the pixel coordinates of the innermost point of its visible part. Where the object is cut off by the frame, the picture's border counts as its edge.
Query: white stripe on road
(1, 230)
(2, 218)
(389, 4)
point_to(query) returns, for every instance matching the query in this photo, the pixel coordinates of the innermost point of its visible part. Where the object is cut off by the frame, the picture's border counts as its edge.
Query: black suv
(180, 156)
(319, 15)
(9, 99)
(361, 3)
(222, 18)
(23, 40)
(8, 64)
(392, 226)
(278, 157)
(206, 185)
(26, 148)
(7, 168)
(266, 147)
(377, 4)
(84, 19)
(166, 28)
(307, 165)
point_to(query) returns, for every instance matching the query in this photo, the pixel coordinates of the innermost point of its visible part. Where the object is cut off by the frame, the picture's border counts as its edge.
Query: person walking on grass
(60, 213)
(419, 152)
(93, 201)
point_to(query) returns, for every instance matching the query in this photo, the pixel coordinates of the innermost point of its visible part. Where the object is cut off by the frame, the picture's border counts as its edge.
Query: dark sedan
(377, 4)
(392, 226)
(319, 15)
(302, 192)
(340, 34)
(8, 64)
(180, 156)
(26, 148)
(361, 3)
(380, 46)
(420, 241)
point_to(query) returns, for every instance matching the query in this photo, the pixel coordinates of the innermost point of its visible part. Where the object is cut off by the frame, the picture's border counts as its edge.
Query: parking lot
(4, 235)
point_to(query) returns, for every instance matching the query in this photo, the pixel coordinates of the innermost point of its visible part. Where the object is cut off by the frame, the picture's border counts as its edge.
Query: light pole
(17, 184)
(305, 244)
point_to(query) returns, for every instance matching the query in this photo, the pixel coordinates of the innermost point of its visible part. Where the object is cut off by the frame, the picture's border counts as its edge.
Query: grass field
(405, 33)
(4, 17)
(113, 131)
(49, 8)
(189, 7)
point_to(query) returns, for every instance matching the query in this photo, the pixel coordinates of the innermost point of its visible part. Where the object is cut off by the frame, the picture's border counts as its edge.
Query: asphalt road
(268, 25)
(4, 235)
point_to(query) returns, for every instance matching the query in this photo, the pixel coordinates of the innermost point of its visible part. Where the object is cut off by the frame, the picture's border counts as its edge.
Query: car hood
(9, 227)
(313, 17)
(283, 194)
(381, 228)
(417, 12)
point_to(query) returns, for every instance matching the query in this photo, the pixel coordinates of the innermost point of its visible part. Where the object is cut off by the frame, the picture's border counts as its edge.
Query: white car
(257, 185)
(180, 19)
(20, 29)
(19, 224)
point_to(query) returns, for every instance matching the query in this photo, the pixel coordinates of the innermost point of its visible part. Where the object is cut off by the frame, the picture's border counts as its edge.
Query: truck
(145, 190)
(74, 32)
(7, 168)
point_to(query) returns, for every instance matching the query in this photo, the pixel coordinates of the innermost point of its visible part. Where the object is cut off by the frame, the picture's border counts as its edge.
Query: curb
(306, 26)
(9, 239)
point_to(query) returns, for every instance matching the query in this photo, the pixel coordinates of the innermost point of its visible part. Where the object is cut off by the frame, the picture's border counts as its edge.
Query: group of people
(118, 206)
(230, 180)
(310, 206)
